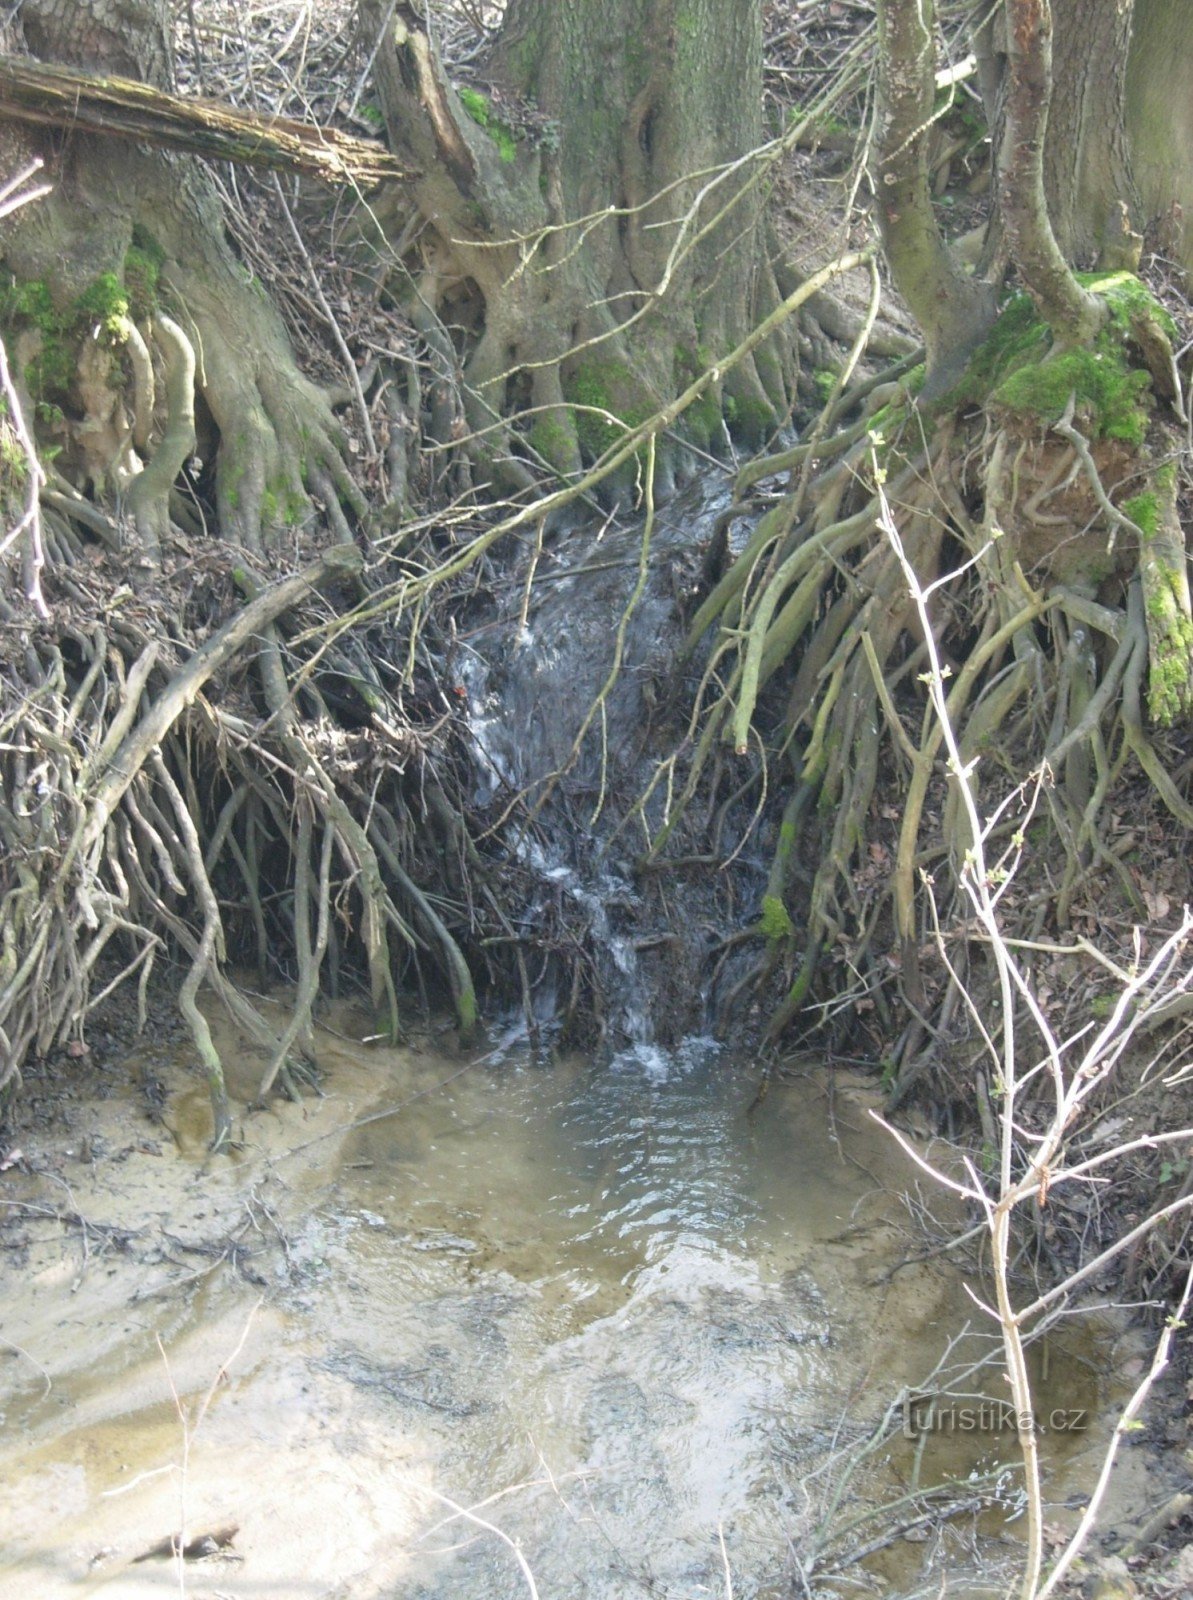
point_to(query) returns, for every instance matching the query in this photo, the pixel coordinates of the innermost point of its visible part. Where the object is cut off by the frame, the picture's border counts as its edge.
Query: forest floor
(105, 1147)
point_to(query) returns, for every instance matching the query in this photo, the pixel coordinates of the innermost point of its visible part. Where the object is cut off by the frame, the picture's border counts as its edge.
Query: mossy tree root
(1164, 571)
(1047, 675)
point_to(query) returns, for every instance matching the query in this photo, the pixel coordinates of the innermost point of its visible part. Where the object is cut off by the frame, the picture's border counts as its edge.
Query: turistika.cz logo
(946, 1414)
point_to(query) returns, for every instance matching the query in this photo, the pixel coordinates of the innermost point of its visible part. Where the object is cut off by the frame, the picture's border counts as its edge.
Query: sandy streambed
(550, 1324)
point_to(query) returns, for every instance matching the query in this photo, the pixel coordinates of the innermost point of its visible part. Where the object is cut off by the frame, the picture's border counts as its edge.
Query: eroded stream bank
(614, 1311)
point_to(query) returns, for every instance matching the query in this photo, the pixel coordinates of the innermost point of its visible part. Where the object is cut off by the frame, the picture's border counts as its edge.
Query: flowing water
(615, 1313)
(592, 632)
(581, 1328)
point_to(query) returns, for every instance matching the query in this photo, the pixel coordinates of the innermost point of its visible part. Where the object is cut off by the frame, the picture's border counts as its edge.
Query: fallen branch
(58, 97)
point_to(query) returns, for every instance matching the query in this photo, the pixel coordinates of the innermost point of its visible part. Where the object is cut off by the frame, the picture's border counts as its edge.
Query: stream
(605, 1330)
(534, 1322)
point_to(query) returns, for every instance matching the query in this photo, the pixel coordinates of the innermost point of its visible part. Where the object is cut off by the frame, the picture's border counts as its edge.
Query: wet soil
(549, 1318)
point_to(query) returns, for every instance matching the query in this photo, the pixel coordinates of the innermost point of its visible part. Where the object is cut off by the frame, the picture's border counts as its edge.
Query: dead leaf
(1158, 904)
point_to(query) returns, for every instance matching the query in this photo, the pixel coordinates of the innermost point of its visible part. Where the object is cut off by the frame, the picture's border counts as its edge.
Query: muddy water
(552, 1325)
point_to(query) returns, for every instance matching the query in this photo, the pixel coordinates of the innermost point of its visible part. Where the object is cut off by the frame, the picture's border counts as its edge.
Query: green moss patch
(1144, 511)
(101, 311)
(824, 381)
(103, 305)
(142, 268)
(14, 468)
(752, 421)
(775, 923)
(608, 386)
(1017, 370)
(551, 439)
(480, 108)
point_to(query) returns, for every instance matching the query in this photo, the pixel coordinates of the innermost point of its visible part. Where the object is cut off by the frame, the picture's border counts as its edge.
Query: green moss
(1168, 678)
(141, 271)
(480, 109)
(1128, 297)
(14, 467)
(31, 305)
(609, 386)
(507, 149)
(825, 382)
(1017, 369)
(703, 417)
(104, 305)
(102, 310)
(752, 420)
(279, 503)
(30, 302)
(553, 441)
(477, 106)
(775, 923)
(1144, 511)
(1111, 396)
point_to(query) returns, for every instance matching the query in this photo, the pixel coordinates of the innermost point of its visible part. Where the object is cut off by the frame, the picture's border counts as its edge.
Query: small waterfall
(530, 684)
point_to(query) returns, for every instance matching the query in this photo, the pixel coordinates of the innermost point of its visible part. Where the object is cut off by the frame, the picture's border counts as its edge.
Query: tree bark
(595, 212)
(1159, 117)
(274, 426)
(1087, 163)
(1073, 314)
(1118, 157)
(953, 310)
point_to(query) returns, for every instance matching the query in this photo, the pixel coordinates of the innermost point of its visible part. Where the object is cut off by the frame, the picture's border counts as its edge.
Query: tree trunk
(595, 216)
(952, 309)
(125, 230)
(1073, 314)
(1087, 165)
(1160, 123)
(1118, 155)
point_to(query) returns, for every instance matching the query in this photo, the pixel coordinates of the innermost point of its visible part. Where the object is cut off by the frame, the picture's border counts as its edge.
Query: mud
(551, 1323)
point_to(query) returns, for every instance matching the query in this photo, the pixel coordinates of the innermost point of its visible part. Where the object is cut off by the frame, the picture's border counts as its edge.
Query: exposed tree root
(814, 648)
(146, 806)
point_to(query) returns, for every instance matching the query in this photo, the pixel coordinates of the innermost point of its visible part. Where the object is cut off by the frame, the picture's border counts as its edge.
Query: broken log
(60, 97)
